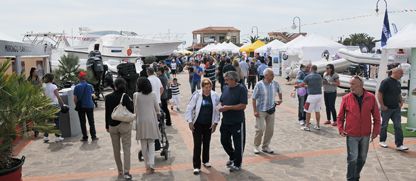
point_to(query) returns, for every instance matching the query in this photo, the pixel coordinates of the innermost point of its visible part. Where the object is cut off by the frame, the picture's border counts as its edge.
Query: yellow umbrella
(252, 47)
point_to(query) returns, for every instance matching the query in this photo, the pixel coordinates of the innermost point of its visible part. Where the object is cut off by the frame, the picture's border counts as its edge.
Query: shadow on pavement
(89, 146)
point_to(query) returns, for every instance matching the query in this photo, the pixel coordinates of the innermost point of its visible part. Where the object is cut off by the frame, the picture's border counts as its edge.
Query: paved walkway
(299, 155)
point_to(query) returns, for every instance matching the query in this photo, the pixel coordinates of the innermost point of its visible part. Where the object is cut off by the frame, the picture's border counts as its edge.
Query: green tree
(21, 102)
(253, 38)
(67, 70)
(360, 39)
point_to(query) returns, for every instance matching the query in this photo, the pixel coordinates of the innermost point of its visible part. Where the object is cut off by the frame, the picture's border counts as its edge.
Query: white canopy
(220, 47)
(273, 46)
(312, 40)
(312, 46)
(294, 41)
(406, 38)
(207, 48)
(232, 47)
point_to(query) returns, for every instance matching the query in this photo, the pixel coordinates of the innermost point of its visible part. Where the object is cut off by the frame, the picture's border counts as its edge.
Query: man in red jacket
(358, 119)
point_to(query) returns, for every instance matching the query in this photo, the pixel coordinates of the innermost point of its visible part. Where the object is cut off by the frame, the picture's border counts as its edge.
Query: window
(234, 39)
(222, 39)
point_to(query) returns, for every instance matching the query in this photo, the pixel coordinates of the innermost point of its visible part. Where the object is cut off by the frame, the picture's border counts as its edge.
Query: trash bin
(69, 122)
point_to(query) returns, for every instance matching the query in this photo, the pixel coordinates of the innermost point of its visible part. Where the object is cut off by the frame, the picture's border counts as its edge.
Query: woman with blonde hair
(203, 117)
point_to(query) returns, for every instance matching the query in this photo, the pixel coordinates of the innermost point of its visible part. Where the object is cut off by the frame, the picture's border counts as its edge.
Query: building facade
(211, 34)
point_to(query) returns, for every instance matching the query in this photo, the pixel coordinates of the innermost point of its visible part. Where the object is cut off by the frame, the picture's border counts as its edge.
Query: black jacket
(111, 101)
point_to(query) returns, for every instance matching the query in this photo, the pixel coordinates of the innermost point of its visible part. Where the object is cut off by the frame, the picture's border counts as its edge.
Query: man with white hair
(391, 102)
(264, 110)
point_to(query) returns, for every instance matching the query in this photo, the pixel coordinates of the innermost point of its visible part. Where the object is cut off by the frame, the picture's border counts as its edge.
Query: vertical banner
(411, 114)
(385, 32)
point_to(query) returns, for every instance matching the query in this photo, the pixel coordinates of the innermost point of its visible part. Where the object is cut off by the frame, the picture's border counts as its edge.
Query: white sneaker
(256, 150)
(317, 127)
(304, 128)
(383, 144)
(59, 139)
(196, 171)
(267, 150)
(402, 148)
(45, 139)
(208, 165)
(302, 122)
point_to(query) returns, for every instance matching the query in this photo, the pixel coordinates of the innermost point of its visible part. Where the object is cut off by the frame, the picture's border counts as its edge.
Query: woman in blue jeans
(330, 84)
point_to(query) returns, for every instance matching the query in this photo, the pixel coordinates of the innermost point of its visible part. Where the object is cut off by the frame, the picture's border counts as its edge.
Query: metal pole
(294, 18)
(411, 111)
(377, 5)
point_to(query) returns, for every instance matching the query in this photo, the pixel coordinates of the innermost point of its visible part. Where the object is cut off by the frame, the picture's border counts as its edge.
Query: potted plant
(20, 101)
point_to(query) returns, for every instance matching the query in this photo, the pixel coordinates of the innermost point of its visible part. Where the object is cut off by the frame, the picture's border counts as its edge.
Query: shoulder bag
(121, 113)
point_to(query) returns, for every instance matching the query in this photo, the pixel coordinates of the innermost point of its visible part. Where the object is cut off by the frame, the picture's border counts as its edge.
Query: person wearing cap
(83, 92)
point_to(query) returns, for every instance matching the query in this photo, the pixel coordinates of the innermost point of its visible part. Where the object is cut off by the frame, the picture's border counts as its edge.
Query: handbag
(272, 110)
(121, 113)
(78, 105)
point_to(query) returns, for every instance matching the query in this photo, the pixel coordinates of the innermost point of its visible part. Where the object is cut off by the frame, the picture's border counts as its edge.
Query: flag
(385, 33)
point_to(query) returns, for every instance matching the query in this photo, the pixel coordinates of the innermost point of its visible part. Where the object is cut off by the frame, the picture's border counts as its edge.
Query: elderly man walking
(391, 102)
(358, 119)
(264, 108)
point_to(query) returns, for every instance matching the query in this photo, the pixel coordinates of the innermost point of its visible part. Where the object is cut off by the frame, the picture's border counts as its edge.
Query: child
(175, 94)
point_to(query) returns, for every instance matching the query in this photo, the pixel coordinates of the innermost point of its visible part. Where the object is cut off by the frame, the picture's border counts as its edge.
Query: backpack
(95, 64)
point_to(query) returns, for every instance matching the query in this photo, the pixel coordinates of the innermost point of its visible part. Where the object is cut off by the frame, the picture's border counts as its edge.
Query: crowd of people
(358, 119)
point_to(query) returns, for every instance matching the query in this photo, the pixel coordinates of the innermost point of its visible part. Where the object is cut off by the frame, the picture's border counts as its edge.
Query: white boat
(369, 84)
(114, 45)
(360, 58)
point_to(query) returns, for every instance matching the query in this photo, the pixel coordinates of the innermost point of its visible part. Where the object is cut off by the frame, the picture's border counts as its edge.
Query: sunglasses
(357, 77)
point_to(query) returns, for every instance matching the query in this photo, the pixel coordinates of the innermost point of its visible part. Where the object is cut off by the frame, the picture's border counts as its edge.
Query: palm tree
(67, 70)
(21, 101)
(360, 39)
(253, 38)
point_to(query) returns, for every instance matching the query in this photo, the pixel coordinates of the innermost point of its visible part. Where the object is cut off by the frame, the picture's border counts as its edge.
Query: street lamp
(294, 24)
(377, 5)
(257, 30)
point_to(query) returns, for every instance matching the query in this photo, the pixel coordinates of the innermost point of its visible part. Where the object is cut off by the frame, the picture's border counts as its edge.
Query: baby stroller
(163, 143)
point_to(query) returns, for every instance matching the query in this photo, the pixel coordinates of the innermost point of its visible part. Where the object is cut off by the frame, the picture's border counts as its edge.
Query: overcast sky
(184, 16)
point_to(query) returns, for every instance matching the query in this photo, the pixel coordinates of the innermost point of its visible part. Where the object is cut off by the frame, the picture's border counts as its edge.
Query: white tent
(220, 47)
(273, 48)
(406, 38)
(207, 48)
(311, 47)
(233, 48)
(294, 41)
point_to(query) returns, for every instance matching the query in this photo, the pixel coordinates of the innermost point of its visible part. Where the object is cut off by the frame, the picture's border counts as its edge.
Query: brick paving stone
(299, 155)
